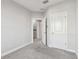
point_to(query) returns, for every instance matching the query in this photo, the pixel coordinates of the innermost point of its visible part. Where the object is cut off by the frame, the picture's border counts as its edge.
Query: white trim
(69, 50)
(32, 29)
(15, 49)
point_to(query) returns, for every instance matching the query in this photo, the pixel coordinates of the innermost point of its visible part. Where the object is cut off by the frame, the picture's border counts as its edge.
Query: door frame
(46, 29)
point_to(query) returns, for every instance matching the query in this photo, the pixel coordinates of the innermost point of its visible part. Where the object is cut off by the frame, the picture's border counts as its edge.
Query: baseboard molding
(13, 50)
(69, 50)
(73, 51)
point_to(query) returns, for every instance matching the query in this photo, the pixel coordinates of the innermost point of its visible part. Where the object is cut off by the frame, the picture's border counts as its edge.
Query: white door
(59, 30)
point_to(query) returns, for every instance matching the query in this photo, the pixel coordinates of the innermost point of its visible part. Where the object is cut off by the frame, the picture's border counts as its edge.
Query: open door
(58, 30)
(44, 31)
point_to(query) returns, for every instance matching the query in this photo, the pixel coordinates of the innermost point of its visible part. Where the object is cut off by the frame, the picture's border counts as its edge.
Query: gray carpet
(38, 51)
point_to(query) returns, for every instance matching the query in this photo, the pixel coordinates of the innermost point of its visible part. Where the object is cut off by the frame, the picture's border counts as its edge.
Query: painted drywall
(70, 7)
(37, 15)
(16, 26)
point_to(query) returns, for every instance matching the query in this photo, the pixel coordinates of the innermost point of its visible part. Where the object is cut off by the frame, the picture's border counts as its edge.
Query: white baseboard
(73, 51)
(70, 50)
(15, 49)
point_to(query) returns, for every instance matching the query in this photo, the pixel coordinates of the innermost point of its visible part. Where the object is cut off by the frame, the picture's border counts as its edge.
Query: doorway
(34, 32)
(37, 30)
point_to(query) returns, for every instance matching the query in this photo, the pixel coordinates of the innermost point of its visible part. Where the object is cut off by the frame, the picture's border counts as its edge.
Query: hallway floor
(38, 51)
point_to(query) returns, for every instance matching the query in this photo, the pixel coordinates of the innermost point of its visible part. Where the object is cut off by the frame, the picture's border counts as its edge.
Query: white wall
(37, 15)
(16, 26)
(70, 7)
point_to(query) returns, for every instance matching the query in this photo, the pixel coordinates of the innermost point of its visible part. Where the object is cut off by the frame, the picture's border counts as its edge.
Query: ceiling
(37, 5)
